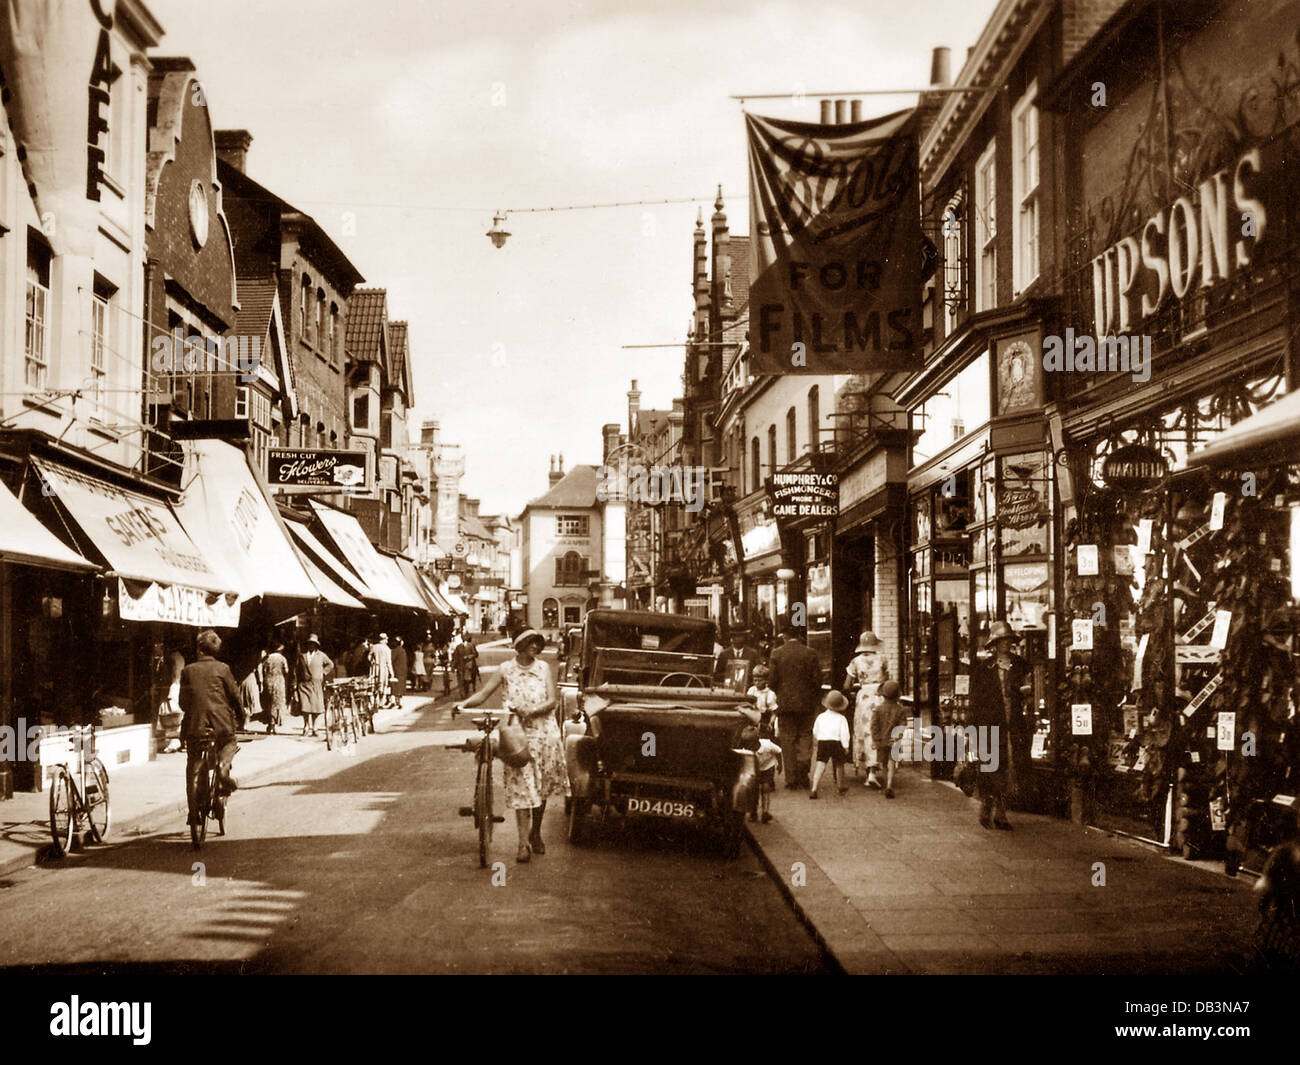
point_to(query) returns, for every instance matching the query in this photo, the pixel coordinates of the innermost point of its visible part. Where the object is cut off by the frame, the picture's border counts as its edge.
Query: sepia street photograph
(628, 488)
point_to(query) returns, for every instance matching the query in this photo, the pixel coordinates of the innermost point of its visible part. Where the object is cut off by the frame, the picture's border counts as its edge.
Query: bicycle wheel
(97, 811)
(353, 725)
(62, 816)
(203, 801)
(483, 809)
(331, 717)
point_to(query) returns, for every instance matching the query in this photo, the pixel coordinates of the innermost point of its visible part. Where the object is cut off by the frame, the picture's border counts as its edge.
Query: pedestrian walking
(888, 721)
(460, 665)
(797, 681)
(275, 670)
(250, 694)
(169, 717)
(400, 667)
(314, 666)
(381, 669)
(768, 760)
(831, 734)
(997, 695)
(419, 677)
(530, 694)
(471, 659)
(866, 672)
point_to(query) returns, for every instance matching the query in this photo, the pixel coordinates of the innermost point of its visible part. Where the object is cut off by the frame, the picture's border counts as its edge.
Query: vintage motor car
(656, 738)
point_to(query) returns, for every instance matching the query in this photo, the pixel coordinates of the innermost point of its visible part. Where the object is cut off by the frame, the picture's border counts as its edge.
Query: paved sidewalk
(915, 885)
(145, 797)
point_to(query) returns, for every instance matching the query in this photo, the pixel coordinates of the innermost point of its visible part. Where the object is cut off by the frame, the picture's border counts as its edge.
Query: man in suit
(796, 677)
(997, 700)
(209, 699)
(738, 651)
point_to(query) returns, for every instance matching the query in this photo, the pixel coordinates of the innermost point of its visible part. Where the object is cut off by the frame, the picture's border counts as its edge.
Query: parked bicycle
(481, 810)
(211, 799)
(341, 725)
(79, 797)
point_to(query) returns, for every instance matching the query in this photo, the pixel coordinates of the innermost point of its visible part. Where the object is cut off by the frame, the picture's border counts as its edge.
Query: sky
(401, 126)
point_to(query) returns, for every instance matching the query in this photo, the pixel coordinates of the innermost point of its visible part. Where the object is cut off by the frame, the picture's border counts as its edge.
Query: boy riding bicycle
(209, 698)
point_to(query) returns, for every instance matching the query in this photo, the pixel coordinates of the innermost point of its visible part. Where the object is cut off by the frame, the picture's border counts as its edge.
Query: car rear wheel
(577, 829)
(733, 834)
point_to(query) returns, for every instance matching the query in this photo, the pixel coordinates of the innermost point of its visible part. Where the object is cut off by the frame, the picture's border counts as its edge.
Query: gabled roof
(650, 422)
(399, 360)
(472, 526)
(368, 325)
(328, 255)
(577, 488)
(259, 316)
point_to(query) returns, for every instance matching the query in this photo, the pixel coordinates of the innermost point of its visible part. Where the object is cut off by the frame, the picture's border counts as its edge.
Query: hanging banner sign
(1217, 509)
(1144, 537)
(837, 243)
(1195, 538)
(1196, 655)
(1227, 734)
(175, 604)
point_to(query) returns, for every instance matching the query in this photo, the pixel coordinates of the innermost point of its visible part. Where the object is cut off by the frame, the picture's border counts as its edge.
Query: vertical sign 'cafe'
(837, 241)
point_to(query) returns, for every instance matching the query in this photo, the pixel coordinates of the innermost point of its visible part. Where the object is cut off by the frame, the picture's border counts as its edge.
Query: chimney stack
(610, 432)
(428, 432)
(941, 67)
(633, 408)
(232, 147)
(557, 471)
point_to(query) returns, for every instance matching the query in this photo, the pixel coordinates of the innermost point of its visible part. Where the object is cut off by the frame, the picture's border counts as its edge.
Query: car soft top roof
(625, 628)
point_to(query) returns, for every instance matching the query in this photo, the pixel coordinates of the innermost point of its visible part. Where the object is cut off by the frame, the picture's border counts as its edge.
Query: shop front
(1180, 274)
(97, 651)
(980, 545)
(768, 585)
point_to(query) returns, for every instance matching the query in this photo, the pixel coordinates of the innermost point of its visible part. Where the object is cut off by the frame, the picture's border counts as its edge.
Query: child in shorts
(768, 757)
(888, 720)
(831, 736)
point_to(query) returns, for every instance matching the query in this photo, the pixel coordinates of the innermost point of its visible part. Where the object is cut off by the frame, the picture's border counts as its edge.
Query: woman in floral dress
(530, 694)
(867, 672)
(276, 672)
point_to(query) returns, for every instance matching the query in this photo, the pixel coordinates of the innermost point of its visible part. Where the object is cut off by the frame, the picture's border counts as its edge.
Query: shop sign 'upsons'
(1209, 234)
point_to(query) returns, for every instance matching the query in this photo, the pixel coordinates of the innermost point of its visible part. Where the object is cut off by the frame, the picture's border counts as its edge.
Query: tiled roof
(399, 361)
(256, 299)
(741, 265)
(471, 526)
(577, 488)
(650, 422)
(367, 316)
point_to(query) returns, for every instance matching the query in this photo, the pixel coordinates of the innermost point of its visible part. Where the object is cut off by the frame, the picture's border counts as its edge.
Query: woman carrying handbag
(530, 696)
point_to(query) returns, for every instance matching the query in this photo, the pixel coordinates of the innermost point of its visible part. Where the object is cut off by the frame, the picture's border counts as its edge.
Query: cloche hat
(868, 641)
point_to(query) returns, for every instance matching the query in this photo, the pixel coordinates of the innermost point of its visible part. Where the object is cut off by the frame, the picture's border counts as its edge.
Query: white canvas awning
(23, 539)
(1267, 436)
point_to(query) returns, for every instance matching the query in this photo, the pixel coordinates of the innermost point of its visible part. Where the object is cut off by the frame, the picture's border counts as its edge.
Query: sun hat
(529, 634)
(1000, 630)
(313, 638)
(761, 671)
(868, 641)
(890, 690)
(834, 700)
